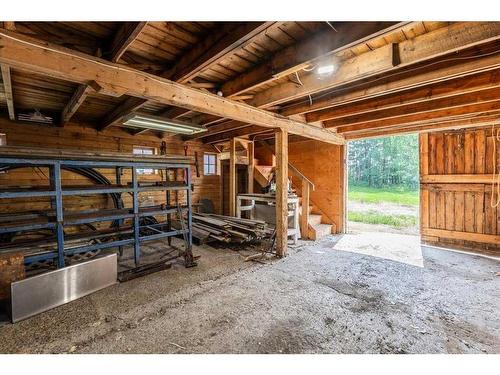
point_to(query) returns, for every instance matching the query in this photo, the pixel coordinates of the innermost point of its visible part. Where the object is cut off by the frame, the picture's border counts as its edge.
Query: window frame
(145, 171)
(206, 163)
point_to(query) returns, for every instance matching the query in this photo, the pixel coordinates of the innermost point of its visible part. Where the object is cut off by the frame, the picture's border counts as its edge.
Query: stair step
(321, 230)
(314, 219)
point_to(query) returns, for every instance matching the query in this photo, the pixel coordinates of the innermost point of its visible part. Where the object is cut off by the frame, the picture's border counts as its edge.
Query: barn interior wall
(456, 172)
(323, 164)
(86, 139)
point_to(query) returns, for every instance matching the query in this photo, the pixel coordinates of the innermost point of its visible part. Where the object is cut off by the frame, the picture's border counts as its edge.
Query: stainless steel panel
(40, 293)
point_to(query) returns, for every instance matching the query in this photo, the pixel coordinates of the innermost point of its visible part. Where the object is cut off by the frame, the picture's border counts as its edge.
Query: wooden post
(304, 219)
(250, 167)
(232, 177)
(281, 153)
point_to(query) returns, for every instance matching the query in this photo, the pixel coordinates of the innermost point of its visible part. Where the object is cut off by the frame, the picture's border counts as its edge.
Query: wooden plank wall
(455, 172)
(84, 138)
(323, 164)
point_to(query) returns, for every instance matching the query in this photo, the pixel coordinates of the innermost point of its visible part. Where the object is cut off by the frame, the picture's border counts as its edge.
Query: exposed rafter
(303, 54)
(440, 42)
(77, 100)
(440, 90)
(7, 88)
(419, 79)
(124, 37)
(65, 64)
(215, 47)
(130, 104)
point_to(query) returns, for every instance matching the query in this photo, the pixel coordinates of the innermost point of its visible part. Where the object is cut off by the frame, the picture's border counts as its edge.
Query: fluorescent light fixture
(162, 123)
(326, 69)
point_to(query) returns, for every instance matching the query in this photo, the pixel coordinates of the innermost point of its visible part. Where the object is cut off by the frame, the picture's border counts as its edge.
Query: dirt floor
(320, 299)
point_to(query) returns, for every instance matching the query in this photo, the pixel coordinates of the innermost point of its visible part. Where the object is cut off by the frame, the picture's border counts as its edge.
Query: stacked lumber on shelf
(211, 227)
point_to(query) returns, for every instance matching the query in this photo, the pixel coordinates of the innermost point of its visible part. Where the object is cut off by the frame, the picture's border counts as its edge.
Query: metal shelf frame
(57, 192)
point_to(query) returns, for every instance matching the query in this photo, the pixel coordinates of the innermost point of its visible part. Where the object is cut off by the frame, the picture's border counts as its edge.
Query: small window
(209, 164)
(3, 139)
(144, 151)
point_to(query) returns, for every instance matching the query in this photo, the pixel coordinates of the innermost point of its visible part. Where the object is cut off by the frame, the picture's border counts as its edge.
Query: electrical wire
(329, 92)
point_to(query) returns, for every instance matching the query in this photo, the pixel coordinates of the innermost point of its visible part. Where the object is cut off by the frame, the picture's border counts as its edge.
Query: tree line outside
(390, 162)
(383, 175)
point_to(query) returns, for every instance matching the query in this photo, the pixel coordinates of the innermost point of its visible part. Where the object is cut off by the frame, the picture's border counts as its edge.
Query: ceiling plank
(220, 128)
(58, 62)
(425, 47)
(303, 54)
(215, 47)
(75, 102)
(222, 137)
(440, 90)
(433, 125)
(124, 37)
(479, 97)
(9, 25)
(416, 118)
(7, 87)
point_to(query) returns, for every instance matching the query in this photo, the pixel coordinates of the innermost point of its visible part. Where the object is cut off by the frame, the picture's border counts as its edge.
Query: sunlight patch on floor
(396, 247)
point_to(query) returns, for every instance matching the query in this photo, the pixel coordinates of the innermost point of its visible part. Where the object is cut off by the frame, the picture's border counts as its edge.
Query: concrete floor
(317, 300)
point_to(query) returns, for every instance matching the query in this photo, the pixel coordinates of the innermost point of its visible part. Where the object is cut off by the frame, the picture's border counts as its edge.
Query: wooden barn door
(455, 192)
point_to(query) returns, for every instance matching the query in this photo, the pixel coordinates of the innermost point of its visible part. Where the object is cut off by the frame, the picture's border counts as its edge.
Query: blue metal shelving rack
(56, 191)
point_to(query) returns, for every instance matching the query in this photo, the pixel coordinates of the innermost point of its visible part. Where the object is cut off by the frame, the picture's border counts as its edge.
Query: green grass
(373, 195)
(373, 217)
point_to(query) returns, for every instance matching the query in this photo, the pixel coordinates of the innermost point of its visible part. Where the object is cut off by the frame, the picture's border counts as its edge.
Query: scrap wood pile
(211, 227)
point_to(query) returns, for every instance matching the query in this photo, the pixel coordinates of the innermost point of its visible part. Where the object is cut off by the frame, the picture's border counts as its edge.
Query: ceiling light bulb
(326, 69)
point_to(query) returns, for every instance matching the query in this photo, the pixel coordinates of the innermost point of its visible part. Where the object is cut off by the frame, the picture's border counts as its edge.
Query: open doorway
(383, 185)
(383, 199)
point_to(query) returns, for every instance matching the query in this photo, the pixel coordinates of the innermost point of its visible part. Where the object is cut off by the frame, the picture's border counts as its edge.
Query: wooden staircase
(314, 224)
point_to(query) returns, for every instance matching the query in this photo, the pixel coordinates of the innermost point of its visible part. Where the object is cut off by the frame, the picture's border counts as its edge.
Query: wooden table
(270, 199)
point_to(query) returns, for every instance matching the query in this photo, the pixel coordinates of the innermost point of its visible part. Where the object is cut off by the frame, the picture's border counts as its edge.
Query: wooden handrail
(290, 166)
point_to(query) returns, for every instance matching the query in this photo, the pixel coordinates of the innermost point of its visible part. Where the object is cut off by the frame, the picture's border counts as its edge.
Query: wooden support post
(304, 219)
(251, 166)
(281, 153)
(232, 177)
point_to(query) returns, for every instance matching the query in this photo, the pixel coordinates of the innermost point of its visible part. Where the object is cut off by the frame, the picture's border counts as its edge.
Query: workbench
(270, 200)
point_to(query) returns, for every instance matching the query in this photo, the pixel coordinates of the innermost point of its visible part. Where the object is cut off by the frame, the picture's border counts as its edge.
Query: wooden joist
(130, 104)
(427, 93)
(303, 54)
(216, 46)
(441, 42)
(124, 37)
(76, 101)
(55, 61)
(424, 107)
(7, 88)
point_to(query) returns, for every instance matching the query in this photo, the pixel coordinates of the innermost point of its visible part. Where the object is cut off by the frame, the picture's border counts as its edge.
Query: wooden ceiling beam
(472, 121)
(446, 89)
(398, 85)
(220, 128)
(124, 37)
(478, 97)
(128, 106)
(415, 119)
(7, 88)
(9, 25)
(215, 47)
(387, 59)
(249, 130)
(76, 101)
(303, 54)
(61, 63)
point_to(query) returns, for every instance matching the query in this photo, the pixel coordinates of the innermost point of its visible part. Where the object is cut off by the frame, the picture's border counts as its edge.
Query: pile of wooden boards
(211, 227)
